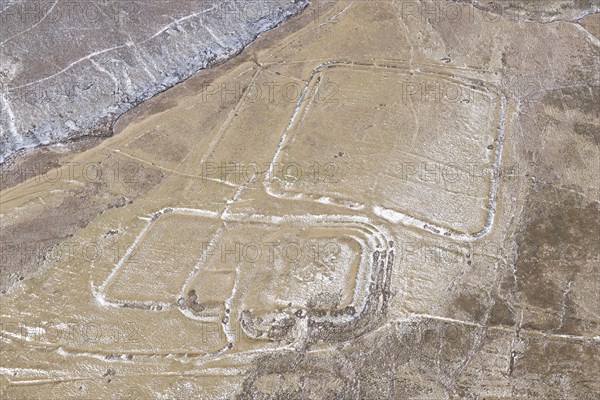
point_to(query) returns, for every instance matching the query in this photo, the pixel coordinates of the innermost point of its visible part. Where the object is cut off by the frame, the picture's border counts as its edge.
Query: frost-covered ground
(70, 68)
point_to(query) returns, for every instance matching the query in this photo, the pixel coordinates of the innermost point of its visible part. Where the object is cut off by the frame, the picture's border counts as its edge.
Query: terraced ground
(365, 203)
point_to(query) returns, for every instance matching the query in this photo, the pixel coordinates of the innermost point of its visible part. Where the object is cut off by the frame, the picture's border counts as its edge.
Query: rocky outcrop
(70, 69)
